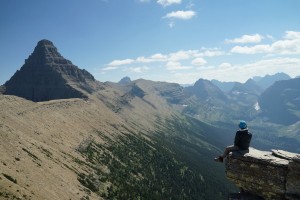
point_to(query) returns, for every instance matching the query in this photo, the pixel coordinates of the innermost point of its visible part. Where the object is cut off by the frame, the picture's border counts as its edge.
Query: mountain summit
(204, 89)
(46, 75)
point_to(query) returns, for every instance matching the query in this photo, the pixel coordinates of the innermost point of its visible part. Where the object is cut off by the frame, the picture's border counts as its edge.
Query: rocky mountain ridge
(277, 104)
(268, 80)
(205, 101)
(261, 82)
(46, 75)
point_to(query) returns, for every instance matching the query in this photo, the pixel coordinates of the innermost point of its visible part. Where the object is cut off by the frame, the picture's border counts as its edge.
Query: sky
(176, 41)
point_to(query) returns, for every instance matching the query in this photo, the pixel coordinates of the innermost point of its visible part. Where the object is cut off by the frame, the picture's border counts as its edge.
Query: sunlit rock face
(270, 175)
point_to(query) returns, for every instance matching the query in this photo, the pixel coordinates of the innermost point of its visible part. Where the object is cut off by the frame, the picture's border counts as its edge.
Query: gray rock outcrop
(270, 175)
(46, 75)
(2, 89)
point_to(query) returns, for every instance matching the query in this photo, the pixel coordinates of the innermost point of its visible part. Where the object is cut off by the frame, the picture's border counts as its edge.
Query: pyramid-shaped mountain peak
(46, 75)
(46, 52)
(45, 42)
(47, 47)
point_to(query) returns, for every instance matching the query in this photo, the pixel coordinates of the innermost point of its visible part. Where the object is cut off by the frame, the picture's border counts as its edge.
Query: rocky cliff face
(46, 75)
(269, 175)
(2, 89)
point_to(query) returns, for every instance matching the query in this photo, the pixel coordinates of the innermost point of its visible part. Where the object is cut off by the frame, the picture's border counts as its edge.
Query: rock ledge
(270, 175)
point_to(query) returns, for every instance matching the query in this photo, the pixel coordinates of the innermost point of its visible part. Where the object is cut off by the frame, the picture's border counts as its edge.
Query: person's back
(243, 139)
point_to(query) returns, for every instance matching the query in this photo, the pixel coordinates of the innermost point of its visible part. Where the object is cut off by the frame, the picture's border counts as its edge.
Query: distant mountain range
(141, 139)
(46, 75)
(246, 99)
(268, 80)
(261, 82)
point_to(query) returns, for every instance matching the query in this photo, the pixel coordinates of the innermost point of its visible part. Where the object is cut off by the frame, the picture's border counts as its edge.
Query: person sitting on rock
(241, 141)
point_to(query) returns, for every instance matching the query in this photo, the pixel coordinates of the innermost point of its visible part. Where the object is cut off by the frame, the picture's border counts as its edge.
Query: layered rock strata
(46, 75)
(270, 175)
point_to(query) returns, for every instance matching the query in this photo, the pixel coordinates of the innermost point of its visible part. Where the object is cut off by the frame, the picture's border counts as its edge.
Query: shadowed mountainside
(46, 75)
(281, 102)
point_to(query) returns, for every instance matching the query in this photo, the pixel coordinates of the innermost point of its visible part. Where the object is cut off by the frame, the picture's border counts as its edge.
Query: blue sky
(162, 40)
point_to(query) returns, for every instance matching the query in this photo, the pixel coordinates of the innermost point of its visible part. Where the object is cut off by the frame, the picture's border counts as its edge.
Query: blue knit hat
(242, 124)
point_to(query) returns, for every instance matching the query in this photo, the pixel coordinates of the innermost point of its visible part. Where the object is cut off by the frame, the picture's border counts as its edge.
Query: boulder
(270, 175)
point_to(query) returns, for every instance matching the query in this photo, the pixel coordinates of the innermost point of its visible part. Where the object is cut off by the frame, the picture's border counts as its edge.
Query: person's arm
(237, 139)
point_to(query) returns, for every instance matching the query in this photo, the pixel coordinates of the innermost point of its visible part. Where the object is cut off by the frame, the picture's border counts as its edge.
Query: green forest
(164, 165)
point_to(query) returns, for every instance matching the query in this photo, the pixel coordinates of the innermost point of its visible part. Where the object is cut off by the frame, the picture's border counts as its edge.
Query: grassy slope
(125, 144)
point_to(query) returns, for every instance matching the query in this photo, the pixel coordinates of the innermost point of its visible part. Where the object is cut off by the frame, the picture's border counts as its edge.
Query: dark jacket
(242, 139)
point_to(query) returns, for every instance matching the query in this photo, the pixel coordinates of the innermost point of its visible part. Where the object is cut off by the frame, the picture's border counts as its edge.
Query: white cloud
(286, 47)
(142, 59)
(180, 55)
(187, 66)
(225, 65)
(184, 15)
(154, 58)
(212, 53)
(139, 69)
(174, 66)
(230, 72)
(256, 38)
(196, 56)
(241, 73)
(158, 57)
(251, 50)
(109, 68)
(199, 62)
(270, 66)
(165, 3)
(291, 35)
(289, 45)
(121, 62)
